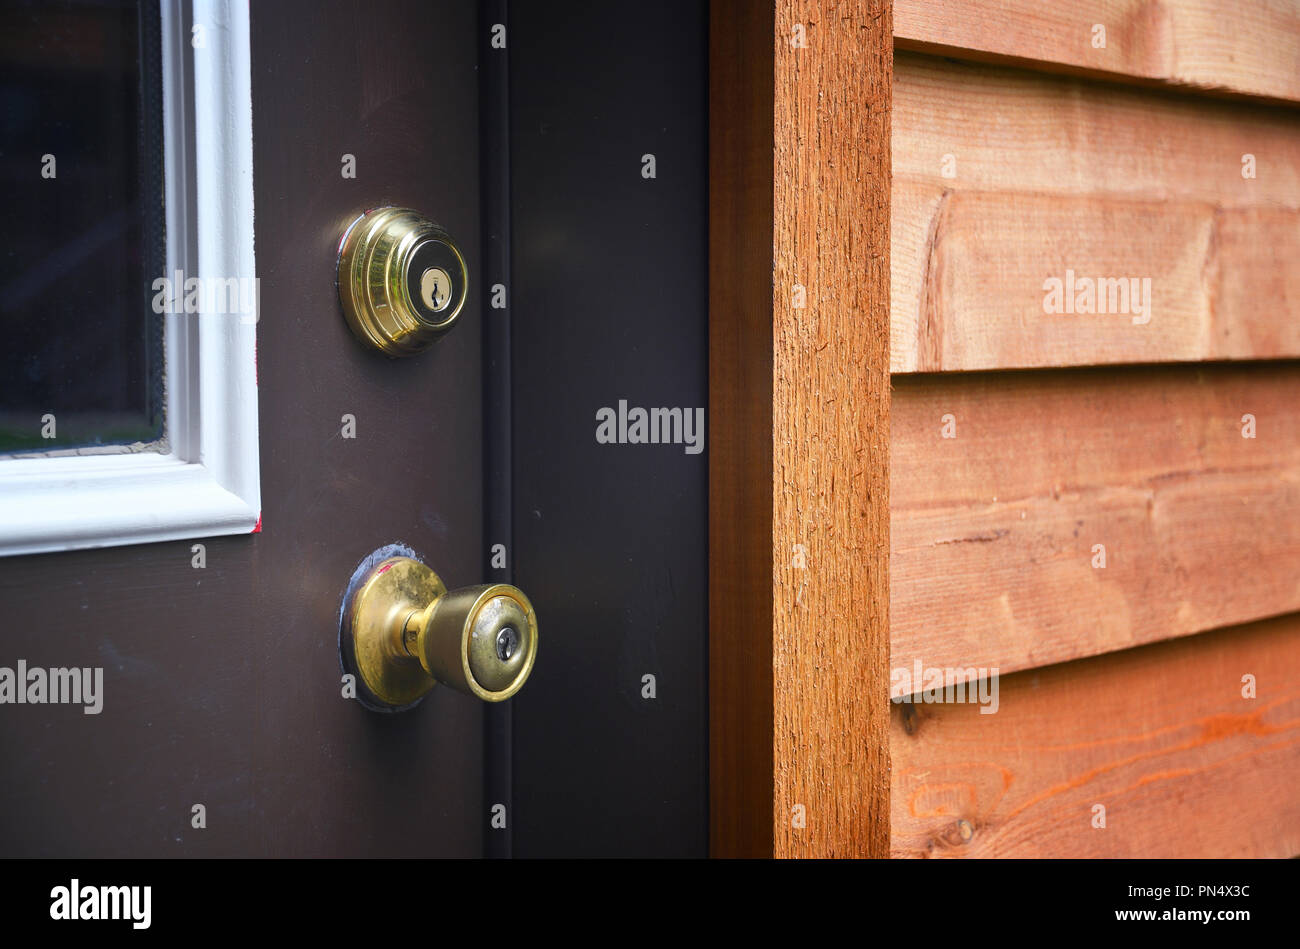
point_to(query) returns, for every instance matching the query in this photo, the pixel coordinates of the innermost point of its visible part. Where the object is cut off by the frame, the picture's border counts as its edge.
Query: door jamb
(799, 206)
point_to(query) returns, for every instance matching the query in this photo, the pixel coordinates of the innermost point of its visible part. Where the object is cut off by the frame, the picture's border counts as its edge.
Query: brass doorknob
(402, 280)
(402, 632)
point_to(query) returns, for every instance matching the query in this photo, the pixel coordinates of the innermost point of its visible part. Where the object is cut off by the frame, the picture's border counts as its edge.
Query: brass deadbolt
(403, 632)
(402, 280)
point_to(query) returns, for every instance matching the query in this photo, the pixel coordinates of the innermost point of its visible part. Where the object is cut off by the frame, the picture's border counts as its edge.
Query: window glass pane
(81, 173)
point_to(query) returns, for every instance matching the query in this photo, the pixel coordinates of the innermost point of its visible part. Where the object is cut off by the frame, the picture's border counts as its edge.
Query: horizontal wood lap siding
(1053, 176)
(1095, 427)
(1247, 47)
(1162, 737)
(994, 530)
(799, 414)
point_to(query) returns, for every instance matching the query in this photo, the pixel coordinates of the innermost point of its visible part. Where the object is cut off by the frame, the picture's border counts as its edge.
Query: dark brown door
(222, 684)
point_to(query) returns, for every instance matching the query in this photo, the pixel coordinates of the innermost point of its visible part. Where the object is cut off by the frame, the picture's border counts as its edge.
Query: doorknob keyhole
(507, 643)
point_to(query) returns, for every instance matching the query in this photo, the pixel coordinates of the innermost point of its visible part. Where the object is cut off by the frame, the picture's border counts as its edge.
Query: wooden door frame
(799, 173)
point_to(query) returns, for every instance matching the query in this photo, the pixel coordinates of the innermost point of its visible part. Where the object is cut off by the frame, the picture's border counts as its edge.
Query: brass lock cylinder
(402, 632)
(402, 280)
(479, 640)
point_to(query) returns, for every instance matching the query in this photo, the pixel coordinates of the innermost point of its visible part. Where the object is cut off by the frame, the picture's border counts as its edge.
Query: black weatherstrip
(494, 132)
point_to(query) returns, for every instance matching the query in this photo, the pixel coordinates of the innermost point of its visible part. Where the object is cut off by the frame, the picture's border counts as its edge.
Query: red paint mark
(257, 528)
(384, 569)
(1219, 727)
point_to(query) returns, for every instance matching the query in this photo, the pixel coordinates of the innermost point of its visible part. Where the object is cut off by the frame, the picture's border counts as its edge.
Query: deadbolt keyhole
(435, 288)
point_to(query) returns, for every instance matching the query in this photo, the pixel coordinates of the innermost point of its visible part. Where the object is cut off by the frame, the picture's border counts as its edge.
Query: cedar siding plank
(1053, 177)
(1242, 47)
(1163, 737)
(993, 531)
(1170, 281)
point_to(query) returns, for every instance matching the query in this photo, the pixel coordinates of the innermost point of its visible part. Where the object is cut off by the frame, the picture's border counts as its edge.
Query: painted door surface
(222, 685)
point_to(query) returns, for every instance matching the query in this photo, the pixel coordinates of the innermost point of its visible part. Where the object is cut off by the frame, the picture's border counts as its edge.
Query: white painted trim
(208, 483)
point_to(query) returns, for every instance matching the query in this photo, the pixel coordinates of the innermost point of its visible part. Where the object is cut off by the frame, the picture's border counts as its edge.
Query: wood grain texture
(994, 530)
(1240, 47)
(1018, 131)
(831, 428)
(1161, 736)
(822, 413)
(1052, 174)
(1178, 281)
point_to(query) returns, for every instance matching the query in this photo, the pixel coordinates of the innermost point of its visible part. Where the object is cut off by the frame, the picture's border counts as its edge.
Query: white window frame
(207, 483)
